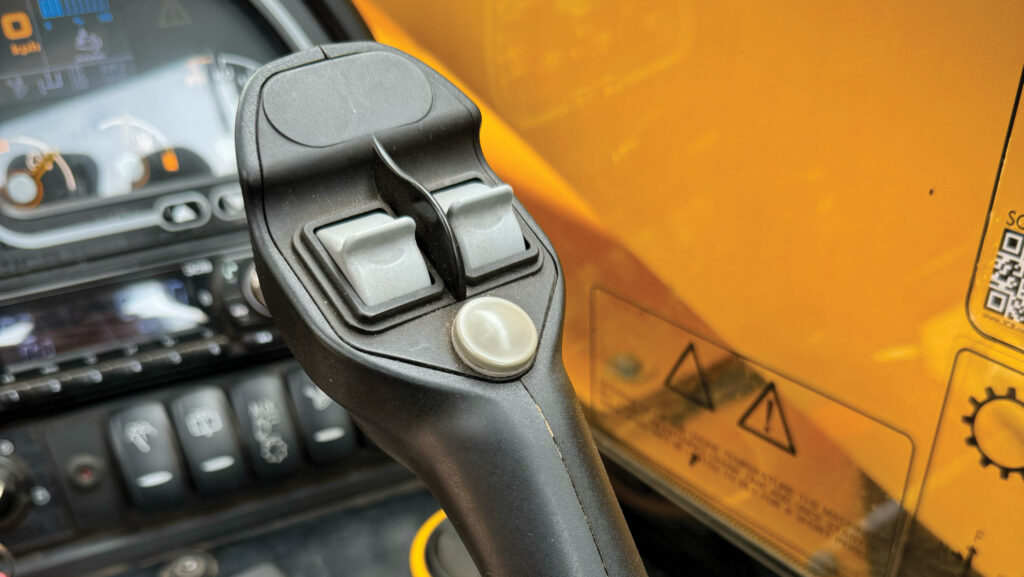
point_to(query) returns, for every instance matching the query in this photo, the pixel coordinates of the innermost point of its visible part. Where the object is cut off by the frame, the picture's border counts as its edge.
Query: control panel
(124, 331)
(137, 460)
(146, 397)
(116, 132)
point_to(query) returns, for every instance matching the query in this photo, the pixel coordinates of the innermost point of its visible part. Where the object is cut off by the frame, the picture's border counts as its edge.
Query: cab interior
(298, 288)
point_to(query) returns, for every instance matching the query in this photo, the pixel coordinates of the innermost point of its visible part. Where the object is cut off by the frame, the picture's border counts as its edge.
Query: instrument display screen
(51, 42)
(107, 98)
(96, 321)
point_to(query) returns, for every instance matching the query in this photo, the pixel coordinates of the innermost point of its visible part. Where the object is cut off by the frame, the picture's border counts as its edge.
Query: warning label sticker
(687, 378)
(816, 482)
(764, 418)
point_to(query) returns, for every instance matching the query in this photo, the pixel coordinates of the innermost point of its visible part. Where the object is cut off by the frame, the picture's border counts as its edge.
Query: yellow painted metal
(803, 183)
(418, 566)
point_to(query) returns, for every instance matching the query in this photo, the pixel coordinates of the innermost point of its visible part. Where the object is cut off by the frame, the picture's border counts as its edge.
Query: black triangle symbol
(688, 380)
(766, 419)
(173, 14)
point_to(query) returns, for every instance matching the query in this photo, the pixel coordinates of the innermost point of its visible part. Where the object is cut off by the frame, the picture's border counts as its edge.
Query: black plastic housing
(346, 129)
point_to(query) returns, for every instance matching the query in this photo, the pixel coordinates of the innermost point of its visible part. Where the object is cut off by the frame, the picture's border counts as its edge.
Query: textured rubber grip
(518, 474)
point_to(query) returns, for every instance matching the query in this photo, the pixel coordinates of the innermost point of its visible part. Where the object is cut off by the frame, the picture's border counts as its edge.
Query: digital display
(104, 98)
(94, 321)
(59, 8)
(60, 46)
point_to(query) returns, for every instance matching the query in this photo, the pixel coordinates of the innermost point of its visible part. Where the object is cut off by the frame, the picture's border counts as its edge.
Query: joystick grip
(518, 474)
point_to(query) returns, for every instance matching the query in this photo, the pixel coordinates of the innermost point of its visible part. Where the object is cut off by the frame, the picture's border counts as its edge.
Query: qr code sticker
(1006, 285)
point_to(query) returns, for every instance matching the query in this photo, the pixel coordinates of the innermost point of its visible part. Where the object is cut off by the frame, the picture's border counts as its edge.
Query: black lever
(419, 294)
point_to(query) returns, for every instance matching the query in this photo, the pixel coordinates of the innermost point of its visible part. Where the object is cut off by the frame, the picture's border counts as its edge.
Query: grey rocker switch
(378, 255)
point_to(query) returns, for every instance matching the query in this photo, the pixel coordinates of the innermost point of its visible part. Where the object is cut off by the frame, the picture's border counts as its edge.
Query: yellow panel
(801, 184)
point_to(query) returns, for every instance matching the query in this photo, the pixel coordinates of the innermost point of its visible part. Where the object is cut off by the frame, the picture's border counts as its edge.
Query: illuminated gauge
(35, 170)
(997, 431)
(140, 142)
(170, 163)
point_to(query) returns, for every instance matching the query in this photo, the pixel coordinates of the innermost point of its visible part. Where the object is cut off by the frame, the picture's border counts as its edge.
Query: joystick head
(377, 223)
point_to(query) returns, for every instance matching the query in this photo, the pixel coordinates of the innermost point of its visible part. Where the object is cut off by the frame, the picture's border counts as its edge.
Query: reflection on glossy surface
(805, 183)
(752, 445)
(29, 164)
(131, 131)
(58, 327)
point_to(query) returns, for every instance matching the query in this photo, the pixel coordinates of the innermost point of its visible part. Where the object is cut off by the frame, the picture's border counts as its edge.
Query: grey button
(182, 213)
(378, 255)
(143, 441)
(206, 431)
(266, 426)
(325, 424)
(227, 201)
(483, 221)
(183, 210)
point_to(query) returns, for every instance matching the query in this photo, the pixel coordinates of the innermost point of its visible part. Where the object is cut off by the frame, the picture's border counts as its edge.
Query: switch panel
(143, 441)
(325, 424)
(207, 435)
(378, 255)
(483, 221)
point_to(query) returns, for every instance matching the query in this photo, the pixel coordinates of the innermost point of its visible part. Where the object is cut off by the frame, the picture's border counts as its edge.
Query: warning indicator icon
(172, 15)
(687, 378)
(766, 419)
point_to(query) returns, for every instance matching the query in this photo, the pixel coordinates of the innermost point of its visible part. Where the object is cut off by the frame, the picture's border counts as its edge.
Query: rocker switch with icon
(378, 255)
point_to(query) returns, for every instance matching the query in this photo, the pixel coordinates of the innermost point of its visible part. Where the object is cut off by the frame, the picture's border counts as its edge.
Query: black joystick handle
(419, 294)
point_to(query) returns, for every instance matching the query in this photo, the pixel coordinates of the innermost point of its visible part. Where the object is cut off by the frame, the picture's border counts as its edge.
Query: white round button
(22, 188)
(494, 336)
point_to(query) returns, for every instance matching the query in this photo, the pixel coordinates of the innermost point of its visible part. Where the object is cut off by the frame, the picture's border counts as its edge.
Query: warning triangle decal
(688, 380)
(766, 419)
(172, 15)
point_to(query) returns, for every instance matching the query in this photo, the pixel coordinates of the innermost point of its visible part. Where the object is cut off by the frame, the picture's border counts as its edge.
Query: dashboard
(104, 99)
(106, 107)
(116, 136)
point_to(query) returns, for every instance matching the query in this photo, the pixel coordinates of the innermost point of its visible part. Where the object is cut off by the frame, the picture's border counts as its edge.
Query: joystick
(416, 291)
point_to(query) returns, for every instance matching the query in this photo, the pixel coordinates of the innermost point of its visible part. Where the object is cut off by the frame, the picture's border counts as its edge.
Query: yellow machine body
(784, 229)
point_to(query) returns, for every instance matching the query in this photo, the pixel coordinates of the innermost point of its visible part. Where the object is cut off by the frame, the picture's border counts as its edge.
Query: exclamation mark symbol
(766, 418)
